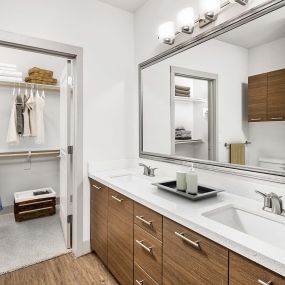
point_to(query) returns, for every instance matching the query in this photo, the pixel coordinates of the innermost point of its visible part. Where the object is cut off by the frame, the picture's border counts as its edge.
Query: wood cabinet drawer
(120, 237)
(189, 258)
(244, 271)
(148, 253)
(141, 278)
(148, 220)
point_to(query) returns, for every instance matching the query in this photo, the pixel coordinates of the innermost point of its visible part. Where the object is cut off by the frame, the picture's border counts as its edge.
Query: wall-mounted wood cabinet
(266, 97)
(141, 247)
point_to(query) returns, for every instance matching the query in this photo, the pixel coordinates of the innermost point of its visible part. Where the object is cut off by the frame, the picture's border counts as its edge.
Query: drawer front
(34, 205)
(189, 258)
(148, 220)
(141, 278)
(98, 219)
(121, 237)
(244, 271)
(148, 253)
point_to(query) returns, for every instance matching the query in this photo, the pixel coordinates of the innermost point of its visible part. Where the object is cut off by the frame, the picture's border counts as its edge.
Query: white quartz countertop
(188, 213)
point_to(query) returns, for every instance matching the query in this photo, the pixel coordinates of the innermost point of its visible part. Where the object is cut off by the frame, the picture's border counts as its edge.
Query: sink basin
(250, 223)
(130, 178)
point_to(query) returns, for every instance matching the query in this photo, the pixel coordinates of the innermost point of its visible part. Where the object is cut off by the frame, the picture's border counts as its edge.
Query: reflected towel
(237, 153)
(183, 88)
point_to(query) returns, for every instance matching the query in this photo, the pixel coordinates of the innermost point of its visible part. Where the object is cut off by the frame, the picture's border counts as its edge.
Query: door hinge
(69, 219)
(70, 149)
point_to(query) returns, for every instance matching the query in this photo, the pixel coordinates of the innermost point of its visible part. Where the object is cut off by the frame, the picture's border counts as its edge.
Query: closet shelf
(197, 100)
(29, 154)
(26, 84)
(188, 141)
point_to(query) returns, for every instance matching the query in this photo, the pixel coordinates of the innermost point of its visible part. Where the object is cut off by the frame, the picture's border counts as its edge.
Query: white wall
(106, 35)
(16, 175)
(268, 138)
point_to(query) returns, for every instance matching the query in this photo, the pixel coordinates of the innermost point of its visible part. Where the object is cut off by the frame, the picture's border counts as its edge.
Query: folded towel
(178, 94)
(43, 72)
(11, 73)
(10, 79)
(7, 65)
(183, 88)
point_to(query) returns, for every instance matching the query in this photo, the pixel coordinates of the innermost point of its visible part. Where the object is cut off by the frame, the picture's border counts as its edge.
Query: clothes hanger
(43, 94)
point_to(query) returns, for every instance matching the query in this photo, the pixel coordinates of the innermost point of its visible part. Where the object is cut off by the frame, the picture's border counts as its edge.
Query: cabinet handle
(255, 119)
(140, 282)
(149, 223)
(141, 243)
(277, 118)
(264, 283)
(192, 243)
(117, 199)
(97, 187)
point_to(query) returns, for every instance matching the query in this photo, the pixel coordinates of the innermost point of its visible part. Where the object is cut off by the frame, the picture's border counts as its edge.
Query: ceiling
(128, 5)
(263, 30)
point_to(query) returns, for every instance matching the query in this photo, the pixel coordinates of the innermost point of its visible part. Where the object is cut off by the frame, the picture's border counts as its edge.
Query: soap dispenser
(192, 181)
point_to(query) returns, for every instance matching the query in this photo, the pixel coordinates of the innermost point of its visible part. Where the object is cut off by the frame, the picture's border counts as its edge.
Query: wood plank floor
(63, 270)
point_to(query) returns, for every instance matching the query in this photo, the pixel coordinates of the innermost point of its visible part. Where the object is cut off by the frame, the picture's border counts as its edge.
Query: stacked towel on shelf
(182, 91)
(9, 73)
(182, 134)
(41, 76)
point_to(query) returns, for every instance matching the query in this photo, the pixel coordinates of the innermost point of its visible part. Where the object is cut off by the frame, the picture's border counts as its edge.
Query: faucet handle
(151, 172)
(267, 199)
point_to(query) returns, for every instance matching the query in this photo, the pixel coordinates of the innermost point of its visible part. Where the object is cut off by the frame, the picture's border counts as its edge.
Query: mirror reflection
(222, 100)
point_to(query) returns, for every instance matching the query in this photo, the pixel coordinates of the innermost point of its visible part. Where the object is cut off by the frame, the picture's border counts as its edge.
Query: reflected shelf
(190, 99)
(188, 141)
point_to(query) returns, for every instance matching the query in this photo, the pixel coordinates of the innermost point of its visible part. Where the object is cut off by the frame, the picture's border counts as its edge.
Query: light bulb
(186, 20)
(209, 6)
(166, 32)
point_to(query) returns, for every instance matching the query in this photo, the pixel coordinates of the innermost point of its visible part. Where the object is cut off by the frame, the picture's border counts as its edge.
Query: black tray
(203, 192)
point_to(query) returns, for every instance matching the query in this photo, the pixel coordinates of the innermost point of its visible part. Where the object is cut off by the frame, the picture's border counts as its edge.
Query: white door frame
(21, 42)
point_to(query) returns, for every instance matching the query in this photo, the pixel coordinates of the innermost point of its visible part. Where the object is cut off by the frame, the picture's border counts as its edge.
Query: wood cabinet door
(189, 258)
(244, 271)
(120, 237)
(98, 219)
(257, 98)
(276, 95)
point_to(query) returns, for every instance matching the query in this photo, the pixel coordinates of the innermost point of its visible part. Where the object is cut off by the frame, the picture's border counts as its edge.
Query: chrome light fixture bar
(209, 12)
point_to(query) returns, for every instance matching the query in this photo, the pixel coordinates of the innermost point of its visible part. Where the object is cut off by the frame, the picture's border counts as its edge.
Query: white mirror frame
(247, 171)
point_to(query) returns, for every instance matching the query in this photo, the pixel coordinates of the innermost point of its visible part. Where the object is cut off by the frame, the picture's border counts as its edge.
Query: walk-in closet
(35, 126)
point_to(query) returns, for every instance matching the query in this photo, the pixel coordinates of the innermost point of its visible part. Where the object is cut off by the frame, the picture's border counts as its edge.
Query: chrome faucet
(272, 202)
(148, 171)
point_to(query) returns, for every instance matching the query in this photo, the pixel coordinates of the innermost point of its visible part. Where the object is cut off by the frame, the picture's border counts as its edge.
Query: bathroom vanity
(147, 236)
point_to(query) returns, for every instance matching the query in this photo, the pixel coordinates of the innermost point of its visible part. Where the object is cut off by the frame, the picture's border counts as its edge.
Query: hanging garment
(26, 115)
(19, 114)
(40, 104)
(12, 136)
(31, 104)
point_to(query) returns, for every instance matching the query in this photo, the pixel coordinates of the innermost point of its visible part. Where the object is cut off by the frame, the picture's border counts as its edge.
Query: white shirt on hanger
(40, 103)
(31, 104)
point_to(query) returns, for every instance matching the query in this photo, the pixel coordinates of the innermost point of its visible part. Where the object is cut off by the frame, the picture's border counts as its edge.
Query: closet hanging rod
(29, 85)
(28, 154)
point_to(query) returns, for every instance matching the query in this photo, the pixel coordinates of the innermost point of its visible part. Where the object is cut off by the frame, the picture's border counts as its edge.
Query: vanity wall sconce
(185, 20)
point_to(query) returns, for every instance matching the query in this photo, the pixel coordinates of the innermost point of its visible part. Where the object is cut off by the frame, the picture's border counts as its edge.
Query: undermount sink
(130, 178)
(252, 224)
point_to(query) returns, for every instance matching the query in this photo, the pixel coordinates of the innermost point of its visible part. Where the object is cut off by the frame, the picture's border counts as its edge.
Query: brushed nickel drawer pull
(264, 283)
(149, 223)
(140, 282)
(141, 243)
(97, 187)
(255, 119)
(277, 118)
(193, 243)
(117, 199)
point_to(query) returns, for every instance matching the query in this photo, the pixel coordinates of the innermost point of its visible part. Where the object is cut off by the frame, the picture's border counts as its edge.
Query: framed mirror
(218, 100)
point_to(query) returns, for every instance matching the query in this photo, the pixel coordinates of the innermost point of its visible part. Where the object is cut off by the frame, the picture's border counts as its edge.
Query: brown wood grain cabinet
(257, 98)
(120, 237)
(99, 217)
(276, 96)
(189, 258)
(148, 253)
(148, 220)
(141, 247)
(245, 272)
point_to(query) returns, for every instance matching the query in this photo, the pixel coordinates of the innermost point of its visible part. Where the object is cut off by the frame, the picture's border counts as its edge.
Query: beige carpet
(30, 242)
